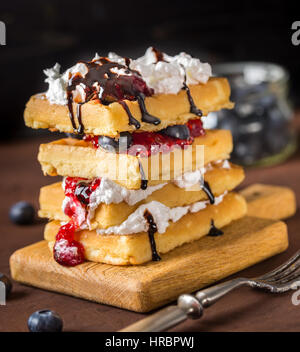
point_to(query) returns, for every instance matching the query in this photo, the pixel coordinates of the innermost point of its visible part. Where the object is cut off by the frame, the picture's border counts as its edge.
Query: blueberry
(22, 213)
(45, 321)
(7, 283)
(177, 131)
(108, 143)
(111, 144)
(275, 118)
(276, 139)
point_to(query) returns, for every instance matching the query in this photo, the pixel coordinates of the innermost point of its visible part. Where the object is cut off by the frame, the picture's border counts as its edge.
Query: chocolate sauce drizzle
(80, 128)
(144, 181)
(146, 117)
(206, 188)
(214, 231)
(151, 231)
(193, 107)
(114, 87)
(132, 120)
(71, 113)
(159, 55)
(127, 61)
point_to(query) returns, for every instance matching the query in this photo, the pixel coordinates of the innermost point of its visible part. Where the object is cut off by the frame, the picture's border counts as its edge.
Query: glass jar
(261, 119)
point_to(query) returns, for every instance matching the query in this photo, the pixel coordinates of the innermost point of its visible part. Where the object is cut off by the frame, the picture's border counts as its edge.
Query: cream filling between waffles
(162, 214)
(110, 192)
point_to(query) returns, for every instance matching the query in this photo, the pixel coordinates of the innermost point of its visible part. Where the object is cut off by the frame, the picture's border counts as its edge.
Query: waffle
(112, 119)
(106, 215)
(135, 249)
(77, 158)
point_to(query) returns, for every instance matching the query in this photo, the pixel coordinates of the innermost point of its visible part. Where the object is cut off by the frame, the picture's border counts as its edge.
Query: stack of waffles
(140, 174)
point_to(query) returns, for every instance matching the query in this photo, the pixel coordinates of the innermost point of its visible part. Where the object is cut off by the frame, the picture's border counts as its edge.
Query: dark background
(40, 33)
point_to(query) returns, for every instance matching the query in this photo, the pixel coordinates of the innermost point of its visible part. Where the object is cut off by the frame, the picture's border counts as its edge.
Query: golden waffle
(112, 119)
(106, 215)
(77, 158)
(135, 248)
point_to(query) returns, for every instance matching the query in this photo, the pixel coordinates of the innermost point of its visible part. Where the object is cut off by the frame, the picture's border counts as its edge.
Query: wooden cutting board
(190, 267)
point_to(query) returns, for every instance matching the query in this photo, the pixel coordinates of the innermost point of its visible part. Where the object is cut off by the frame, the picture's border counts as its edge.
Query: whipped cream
(163, 77)
(107, 192)
(56, 93)
(63, 246)
(110, 192)
(166, 76)
(162, 214)
(190, 179)
(226, 164)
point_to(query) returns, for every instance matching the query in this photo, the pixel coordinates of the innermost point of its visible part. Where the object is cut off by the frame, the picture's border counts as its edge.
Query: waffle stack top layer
(110, 120)
(108, 96)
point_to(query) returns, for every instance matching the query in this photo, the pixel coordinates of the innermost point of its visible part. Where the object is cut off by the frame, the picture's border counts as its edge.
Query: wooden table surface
(242, 310)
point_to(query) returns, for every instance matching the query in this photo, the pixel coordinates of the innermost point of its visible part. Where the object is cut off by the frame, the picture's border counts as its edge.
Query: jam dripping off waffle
(67, 251)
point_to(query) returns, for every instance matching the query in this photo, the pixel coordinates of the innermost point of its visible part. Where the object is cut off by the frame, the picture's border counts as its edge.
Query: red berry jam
(151, 143)
(66, 232)
(67, 251)
(145, 144)
(91, 139)
(196, 128)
